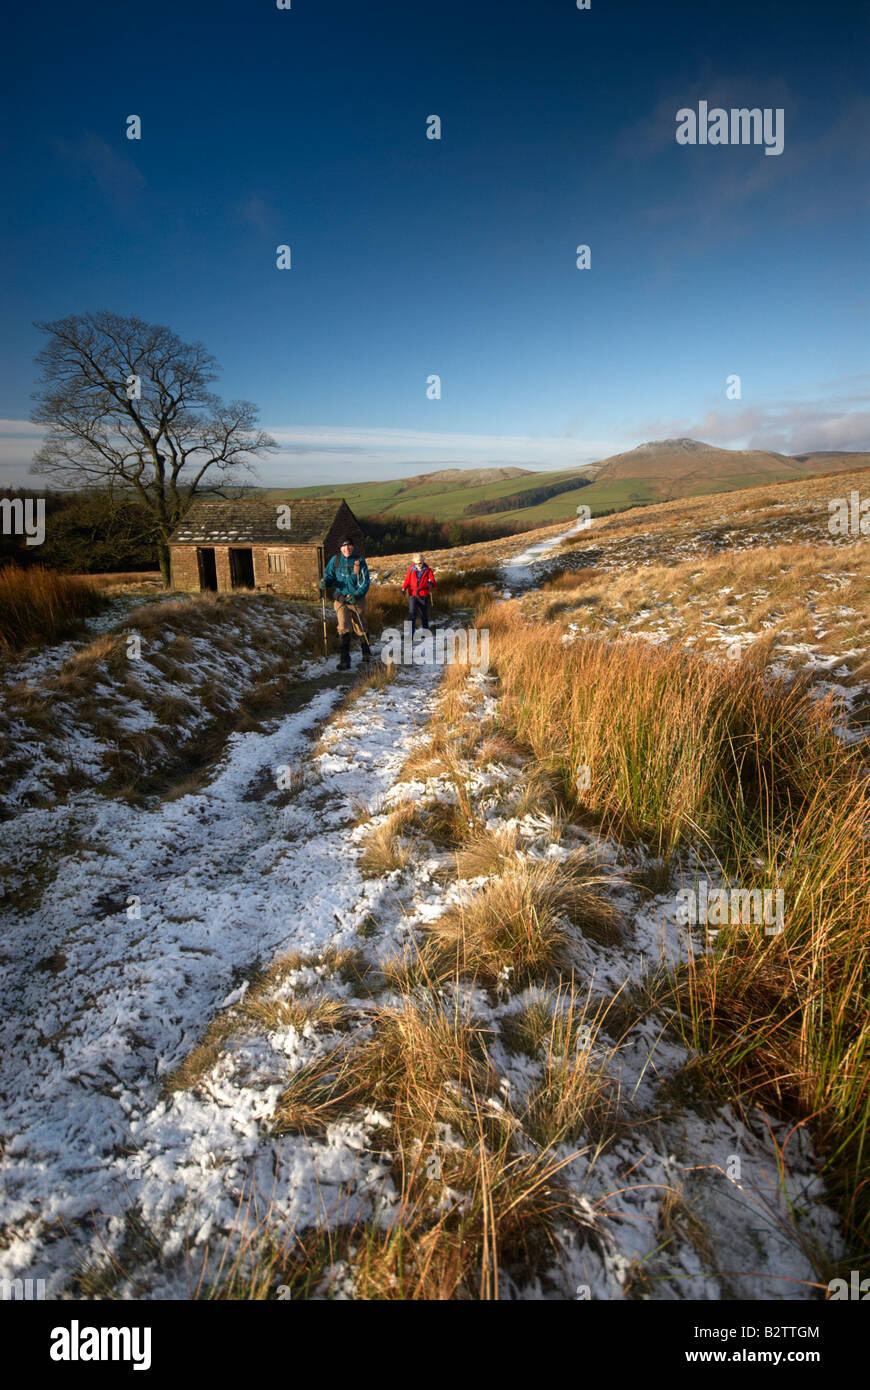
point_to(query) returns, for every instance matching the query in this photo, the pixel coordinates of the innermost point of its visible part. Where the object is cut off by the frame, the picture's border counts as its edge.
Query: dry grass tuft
(375, 679)
(80, 670)
(425, 1062)
(498, 748)
(487, 852)
(201, 1058)
(515, 929)
(419, 1062)
(541, 792)
(488, 1220)
(386, 849)
(575, 1098)
(446, 823)
(303, 1014)
(318, 1092)
(473, 1210)
(678, 1222)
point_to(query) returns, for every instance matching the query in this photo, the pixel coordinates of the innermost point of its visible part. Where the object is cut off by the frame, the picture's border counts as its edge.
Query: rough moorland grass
(189, 711)
(676, 747)
(385, 847)
(37, 605)
(515, 927)
(682, 750)
(386, 606)
(285, 994)
(471, 1208)
(759, 595)
(489, 1219)
(484, 852)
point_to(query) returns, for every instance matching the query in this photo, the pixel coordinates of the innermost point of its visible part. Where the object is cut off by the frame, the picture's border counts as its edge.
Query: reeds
(38, 605)
(676, 751)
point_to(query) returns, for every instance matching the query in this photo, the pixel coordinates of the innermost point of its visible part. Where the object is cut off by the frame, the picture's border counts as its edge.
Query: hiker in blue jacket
(346, 581)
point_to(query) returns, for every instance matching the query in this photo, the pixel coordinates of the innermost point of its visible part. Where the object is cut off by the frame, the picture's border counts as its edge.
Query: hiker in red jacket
(418, 585)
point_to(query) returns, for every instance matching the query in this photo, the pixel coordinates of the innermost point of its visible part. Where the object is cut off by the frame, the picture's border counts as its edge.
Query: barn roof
(253, 521)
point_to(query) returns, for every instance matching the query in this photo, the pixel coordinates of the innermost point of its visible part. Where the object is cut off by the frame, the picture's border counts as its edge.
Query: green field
(448, 504)
(441, 501)
(657, 472)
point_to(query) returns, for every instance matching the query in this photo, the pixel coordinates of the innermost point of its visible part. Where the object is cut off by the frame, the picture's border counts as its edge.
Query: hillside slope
(657, 471)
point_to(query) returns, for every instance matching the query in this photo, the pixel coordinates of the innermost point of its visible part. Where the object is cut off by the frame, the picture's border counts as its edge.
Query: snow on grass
(684, 1200)
(747, 1229)
(36, 664)
(222, 884)
(70, 715)
(789, 597)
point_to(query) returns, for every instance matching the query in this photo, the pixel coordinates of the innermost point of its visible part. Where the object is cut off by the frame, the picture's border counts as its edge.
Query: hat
(418, 559)
(348, 540)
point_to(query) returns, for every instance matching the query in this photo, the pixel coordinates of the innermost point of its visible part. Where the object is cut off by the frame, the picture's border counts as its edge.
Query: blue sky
(456, 257)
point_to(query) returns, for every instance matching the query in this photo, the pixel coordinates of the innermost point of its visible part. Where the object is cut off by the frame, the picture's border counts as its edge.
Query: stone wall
(185, 571)
(299, 579)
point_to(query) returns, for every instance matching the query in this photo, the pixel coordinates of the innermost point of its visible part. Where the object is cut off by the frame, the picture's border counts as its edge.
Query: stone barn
(278, 547)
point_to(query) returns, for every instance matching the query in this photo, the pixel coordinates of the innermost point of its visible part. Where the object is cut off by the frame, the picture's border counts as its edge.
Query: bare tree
(128, 409)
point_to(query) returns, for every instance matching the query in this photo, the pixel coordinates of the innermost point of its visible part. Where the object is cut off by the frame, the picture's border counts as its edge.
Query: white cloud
(322, 454)
(344, 455)
(13, 428)
(785, 427)
(19, 440)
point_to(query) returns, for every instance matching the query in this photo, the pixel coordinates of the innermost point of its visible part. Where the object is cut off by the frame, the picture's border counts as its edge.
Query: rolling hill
(657, 471)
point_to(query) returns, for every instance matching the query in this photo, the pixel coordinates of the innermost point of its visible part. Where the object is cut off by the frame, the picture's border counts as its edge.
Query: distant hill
(830, 460)
(465, 477)
(661, 470)
(664, 469)
(684, 461)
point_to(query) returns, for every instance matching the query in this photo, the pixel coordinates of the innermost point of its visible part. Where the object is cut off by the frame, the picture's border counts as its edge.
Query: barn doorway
(207, 569)
(242, 569)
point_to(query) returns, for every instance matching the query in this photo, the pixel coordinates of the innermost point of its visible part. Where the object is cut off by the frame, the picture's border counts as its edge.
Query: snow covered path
(517, 570)
(223, 881)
